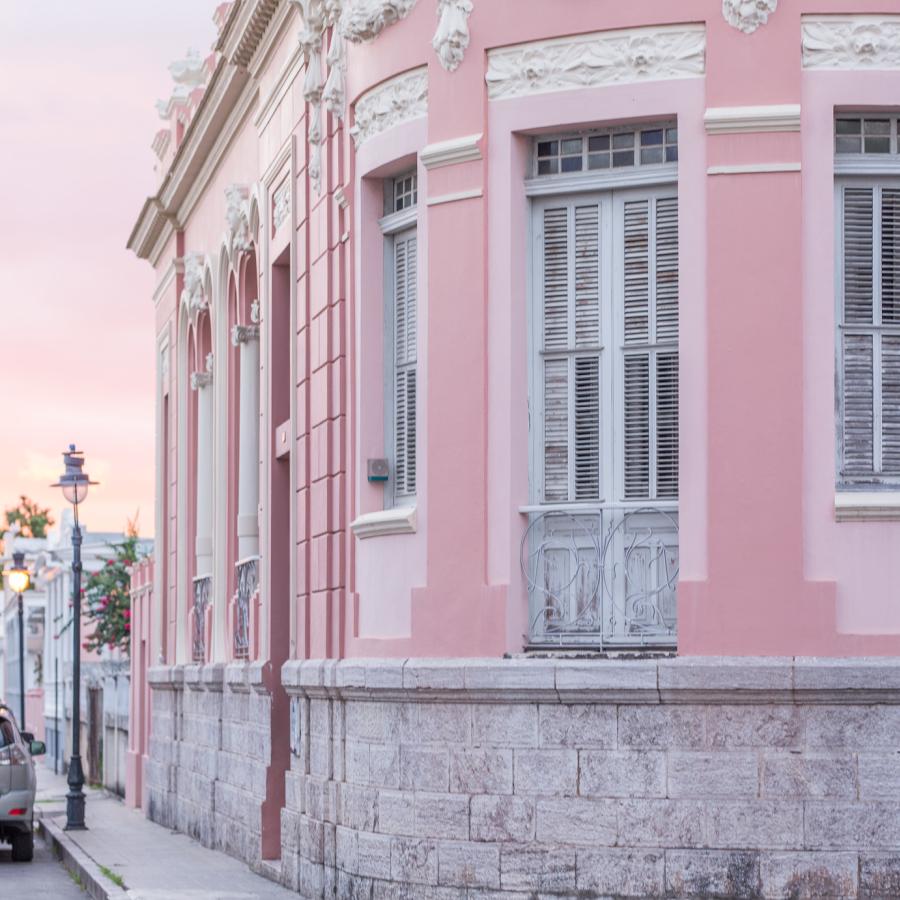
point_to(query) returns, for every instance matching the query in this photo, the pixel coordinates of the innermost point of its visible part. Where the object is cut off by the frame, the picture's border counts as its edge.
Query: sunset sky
(79, 81)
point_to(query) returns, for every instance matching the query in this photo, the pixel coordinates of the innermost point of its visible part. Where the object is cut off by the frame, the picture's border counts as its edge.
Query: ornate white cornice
(452, 36)
(590, 60)
(748, 15)
(391, 103)
(237, 216)
(203, 379)
(364, 20)
(851, 42)
(192, 294)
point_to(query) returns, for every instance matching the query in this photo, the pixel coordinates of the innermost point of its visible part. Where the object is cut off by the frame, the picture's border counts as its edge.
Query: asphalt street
(41, 879)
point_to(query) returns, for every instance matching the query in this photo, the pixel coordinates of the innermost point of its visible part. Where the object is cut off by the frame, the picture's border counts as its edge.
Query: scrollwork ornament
(852, 42)
(192, 294)
(748, 15)
(452, 36)
(364, 20)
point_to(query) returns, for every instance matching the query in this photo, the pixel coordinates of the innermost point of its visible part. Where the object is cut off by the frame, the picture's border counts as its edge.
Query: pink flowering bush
(107, 598)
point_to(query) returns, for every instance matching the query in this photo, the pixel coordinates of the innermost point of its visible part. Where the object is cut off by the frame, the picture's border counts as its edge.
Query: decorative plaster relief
(237, 215)
(748, 15)
(192, 294)
(364, 20)
(452, 35)
(399, 100)
(851, 42)
(605, 57)
(243, 334)
(281, 203)
(203, 379)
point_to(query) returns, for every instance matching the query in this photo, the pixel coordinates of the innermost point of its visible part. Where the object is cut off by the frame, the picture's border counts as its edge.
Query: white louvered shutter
(570, 351)
(650, 335)
(870, 334)
(404, 375)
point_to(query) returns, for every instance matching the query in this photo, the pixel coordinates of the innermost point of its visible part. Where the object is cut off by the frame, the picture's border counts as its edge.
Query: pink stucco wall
(765, 568)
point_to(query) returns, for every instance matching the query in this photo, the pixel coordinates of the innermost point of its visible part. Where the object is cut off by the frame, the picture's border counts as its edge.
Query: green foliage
(114, 877)
(33, 520)
(106, 597)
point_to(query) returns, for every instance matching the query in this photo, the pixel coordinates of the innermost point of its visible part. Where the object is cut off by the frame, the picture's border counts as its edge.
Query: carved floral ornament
(237, 216)
(606, 57)
(205, 378)
(748, 15)
(851, 42)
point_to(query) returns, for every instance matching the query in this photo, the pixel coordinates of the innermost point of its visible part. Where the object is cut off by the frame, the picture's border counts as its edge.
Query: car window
(7, 733)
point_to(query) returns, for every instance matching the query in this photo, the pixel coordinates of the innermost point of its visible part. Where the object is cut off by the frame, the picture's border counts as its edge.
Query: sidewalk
(123, 855)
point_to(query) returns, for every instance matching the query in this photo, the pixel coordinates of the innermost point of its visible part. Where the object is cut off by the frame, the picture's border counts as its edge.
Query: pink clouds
(76, 314)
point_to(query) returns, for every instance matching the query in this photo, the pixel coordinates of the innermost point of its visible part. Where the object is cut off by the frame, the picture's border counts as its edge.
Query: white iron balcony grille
(602, 577)
(247, 583)
(202, 592)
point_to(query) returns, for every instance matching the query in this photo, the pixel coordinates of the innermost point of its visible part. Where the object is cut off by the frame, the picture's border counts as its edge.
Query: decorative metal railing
(604, 578)
(202, 592)
(247, 584)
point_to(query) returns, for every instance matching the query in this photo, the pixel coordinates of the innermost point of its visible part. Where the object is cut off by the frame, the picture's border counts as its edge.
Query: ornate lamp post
(19, 579)
(74, 483)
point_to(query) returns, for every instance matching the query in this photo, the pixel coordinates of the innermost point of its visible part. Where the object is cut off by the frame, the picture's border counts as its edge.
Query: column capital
(203, 379)
(242, 334)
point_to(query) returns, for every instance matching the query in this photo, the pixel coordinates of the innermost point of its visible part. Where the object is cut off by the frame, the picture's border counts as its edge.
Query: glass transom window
(406, 192)
(611, 148)
(873, 134)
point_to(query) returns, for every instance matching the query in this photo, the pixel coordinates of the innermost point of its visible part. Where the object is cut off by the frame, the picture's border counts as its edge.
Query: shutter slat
(858, 281)
(636, 396)
(890, 404)
(667, 269)
(405, 352)
(587, 428)
(587, 275)
(637, 272)
(858, 405)
(556, 278)
(667, 425)
(556, 430)
(890, 256)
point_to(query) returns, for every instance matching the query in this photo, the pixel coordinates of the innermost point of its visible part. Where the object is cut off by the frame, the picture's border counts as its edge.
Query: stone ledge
(208, 677)
(686, 679)
(165, 677)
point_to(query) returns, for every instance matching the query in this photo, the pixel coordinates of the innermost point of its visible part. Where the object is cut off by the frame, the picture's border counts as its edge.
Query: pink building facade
(528, 423)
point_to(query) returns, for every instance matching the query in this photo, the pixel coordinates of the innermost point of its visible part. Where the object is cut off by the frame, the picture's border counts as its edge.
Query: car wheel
(23, 846)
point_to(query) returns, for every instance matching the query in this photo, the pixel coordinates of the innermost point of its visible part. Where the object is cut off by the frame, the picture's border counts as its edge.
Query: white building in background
(49, 653)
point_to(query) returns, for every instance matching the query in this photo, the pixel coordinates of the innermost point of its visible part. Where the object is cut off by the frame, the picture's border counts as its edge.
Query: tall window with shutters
(401, 338)
(600, 554)
(868, 289)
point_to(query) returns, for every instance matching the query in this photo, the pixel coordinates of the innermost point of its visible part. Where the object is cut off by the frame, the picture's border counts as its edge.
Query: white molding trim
(741, 119)
(390, 103)
(657, 53)
(399, 221)
(291, 70)
(871, 506)
(883, 165)
(449, 153)
(453, 198)
(175, 267)
(399, 520)
(754, 168)
(581, 182)
(850, 42)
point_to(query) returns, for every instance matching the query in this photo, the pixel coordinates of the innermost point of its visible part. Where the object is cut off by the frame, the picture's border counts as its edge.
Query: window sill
(867, 506)
(400, 520)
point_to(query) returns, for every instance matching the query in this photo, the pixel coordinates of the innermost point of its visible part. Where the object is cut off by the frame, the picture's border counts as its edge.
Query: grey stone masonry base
(210, 745)
(589, 778)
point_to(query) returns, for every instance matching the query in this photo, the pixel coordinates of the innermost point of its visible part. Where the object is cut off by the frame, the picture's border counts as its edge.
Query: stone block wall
(574, 778)
(210, 745)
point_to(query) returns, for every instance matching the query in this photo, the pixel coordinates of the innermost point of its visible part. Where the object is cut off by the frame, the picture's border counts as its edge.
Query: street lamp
(74, 483)
(19, 579)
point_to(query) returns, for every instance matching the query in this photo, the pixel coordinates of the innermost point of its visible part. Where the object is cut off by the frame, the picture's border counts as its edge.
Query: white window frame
(396, 225)
(860, 499)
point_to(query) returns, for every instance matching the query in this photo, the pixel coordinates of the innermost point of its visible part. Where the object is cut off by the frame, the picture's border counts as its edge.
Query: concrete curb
(78, 862)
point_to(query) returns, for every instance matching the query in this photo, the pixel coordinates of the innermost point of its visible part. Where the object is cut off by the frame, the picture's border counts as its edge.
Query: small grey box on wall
(378, 469)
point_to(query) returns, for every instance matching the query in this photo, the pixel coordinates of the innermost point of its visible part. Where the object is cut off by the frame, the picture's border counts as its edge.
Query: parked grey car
(17, 786)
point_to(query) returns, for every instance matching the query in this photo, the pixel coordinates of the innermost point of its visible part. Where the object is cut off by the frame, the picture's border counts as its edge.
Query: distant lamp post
(18, 578)
(74, 483)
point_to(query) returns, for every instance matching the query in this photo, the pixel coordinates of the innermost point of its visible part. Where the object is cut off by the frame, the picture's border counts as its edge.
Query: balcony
(247, 571)
(602, 577)
(202, 588)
